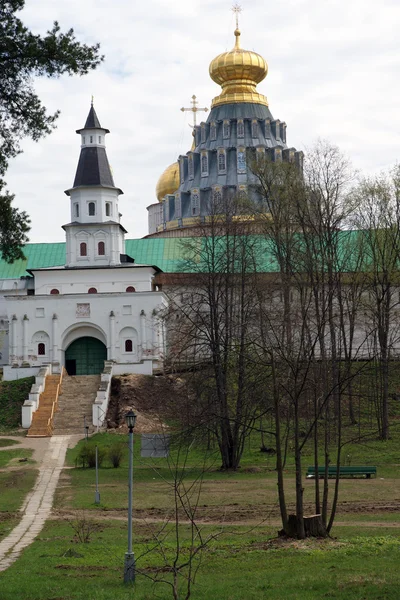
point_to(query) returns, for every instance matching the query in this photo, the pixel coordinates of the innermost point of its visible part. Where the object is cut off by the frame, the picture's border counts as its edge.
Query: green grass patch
(5, 442)
(14, 486)
(12, 396)
(240, 564)
(11, 457)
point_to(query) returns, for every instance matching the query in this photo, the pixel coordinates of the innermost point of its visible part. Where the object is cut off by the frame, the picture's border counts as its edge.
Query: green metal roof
(168, 254)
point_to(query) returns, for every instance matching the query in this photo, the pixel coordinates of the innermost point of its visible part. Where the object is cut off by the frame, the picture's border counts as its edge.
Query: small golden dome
(168, 183)
(238, 73)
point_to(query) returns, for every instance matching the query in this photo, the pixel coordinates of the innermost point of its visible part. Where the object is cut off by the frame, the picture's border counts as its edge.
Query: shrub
(87, 455)
(115, 453)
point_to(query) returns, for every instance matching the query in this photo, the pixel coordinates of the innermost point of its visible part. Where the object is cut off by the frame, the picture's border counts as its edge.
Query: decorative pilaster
(54, 337)
(13, 341)
(143, 332)
(111, 349)
(25, 323)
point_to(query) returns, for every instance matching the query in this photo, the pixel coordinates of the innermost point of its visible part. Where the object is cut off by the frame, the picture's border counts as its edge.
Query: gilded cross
(237, 9)
(194, 109)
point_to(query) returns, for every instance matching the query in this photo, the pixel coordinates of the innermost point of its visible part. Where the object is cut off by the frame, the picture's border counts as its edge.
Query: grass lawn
(12, 396)
(14, 486)
(241, 564)
(5, 442)
(11, 457)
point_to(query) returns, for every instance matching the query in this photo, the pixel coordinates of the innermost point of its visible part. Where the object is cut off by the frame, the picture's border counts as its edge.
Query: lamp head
(130, 419)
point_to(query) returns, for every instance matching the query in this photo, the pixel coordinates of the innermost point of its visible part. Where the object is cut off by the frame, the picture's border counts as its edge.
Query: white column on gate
(111, 351)
(25, 323)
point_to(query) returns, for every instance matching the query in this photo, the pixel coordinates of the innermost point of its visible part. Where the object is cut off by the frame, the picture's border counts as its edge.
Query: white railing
(100, 405)
(32, 403)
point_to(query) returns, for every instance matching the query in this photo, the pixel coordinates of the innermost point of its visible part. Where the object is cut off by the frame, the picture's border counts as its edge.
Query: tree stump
(314, 526)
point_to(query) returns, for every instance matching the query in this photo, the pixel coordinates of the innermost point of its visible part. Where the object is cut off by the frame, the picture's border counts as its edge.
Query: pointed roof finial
(91, 103)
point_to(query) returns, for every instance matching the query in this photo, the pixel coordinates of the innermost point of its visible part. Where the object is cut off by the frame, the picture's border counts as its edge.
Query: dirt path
(37, 506)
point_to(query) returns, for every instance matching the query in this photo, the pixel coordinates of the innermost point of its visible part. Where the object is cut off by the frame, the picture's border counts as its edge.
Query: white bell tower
(94, 237)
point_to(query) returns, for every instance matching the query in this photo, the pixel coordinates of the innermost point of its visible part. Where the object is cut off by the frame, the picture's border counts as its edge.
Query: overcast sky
(334, 69)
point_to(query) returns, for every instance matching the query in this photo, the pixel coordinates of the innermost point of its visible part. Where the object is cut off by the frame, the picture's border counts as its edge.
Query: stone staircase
(75, 403)
(42, 420)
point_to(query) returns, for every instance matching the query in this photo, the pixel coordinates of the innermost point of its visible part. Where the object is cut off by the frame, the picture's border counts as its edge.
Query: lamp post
(129, 565)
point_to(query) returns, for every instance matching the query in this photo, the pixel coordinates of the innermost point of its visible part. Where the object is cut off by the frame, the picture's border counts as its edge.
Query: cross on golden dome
(194, 109)
(237, 9)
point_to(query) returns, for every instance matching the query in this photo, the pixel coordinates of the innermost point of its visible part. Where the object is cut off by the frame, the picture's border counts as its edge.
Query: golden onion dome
(168, 183)
(238, 73)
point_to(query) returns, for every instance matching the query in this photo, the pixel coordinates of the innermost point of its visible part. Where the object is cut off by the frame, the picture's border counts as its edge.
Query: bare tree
(213, 323)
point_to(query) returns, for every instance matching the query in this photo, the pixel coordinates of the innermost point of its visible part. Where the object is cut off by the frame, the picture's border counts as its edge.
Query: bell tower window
(92, 209)
(254, 129)
(101, 249)
(99, 139)
(76, 207)
(240, 128)
(108, 209)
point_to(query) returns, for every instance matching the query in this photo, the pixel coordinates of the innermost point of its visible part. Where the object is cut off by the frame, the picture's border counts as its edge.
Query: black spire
(92, 122)
(93, 167)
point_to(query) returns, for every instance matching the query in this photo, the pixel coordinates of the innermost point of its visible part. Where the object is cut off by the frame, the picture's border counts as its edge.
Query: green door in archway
(85, 356)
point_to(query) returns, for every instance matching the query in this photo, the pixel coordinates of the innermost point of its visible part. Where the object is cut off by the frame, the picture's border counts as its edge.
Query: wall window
(55, 291)
(83, 249)
(190, 167)
(41, 349)
(92, 209)
(254, 129)
(221, 161)
(267, 128)
(91, 139)
(217, 195)
(195, 203)
(204, 164)
(101, 249)
(240, 128)
(130, 288)
(108, 209)
(178, 206)
(128, 346)
(99, 139)
(213, 131)
(76, 210)
(241, 160)
(92, 291)
(226, 129)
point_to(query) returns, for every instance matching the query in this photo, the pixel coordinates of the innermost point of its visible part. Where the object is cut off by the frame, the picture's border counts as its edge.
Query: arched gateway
(85, 356)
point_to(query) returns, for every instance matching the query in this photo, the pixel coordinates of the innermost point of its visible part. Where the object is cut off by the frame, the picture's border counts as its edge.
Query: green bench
(356, 471)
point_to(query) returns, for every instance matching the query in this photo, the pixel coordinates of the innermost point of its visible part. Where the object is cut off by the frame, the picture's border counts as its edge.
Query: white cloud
(333, 73)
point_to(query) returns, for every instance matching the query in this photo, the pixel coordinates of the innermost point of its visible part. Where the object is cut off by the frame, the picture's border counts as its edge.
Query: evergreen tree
(24, 56)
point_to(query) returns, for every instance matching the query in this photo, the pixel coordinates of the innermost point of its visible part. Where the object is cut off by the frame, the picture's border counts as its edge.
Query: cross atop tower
(237, 9)
(194, 109)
